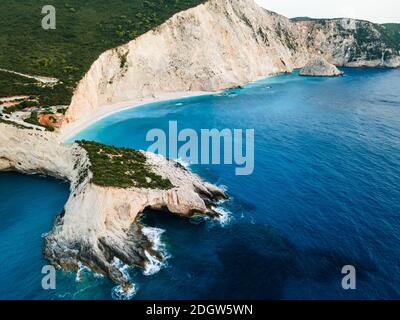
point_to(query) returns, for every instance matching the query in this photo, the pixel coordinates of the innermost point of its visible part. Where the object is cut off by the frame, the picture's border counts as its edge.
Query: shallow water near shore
(325, 193)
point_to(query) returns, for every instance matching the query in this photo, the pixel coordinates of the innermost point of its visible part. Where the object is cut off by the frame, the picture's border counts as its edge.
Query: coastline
(70, 130)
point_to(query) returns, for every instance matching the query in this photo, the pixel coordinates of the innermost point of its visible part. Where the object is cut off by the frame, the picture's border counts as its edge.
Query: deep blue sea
(325, 193)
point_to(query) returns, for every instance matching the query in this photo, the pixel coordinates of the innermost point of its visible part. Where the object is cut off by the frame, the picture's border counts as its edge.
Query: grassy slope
(85, 29)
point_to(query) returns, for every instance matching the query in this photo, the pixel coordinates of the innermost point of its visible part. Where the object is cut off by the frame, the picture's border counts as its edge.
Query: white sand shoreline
(70, 130)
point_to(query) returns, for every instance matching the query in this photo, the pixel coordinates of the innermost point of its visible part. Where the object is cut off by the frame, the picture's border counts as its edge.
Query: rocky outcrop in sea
(319, 67)
(100, 224)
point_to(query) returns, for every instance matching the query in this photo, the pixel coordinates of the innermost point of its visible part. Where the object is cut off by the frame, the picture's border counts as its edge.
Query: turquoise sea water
(325, 193)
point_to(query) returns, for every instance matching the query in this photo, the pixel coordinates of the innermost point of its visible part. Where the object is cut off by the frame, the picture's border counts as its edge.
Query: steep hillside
(85, 29)
(352, 43)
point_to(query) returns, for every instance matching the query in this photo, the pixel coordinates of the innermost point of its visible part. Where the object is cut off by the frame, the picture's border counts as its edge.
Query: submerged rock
(319, 67)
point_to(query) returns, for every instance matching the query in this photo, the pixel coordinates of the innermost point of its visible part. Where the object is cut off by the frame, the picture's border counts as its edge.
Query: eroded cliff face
(349, 42)
(99, 224)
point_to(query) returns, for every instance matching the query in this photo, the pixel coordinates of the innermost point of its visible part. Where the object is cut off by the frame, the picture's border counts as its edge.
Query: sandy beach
(71, 129)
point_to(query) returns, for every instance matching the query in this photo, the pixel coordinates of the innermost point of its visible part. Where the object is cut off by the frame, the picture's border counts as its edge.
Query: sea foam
(118, 293)
(154, 265)
(225, 216)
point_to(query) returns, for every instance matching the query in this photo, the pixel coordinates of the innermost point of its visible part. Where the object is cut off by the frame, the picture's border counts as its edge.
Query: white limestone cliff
(348, 42)
(218, 45)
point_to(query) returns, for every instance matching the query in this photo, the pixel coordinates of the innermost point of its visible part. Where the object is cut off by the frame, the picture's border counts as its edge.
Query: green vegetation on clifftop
(122, 167)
